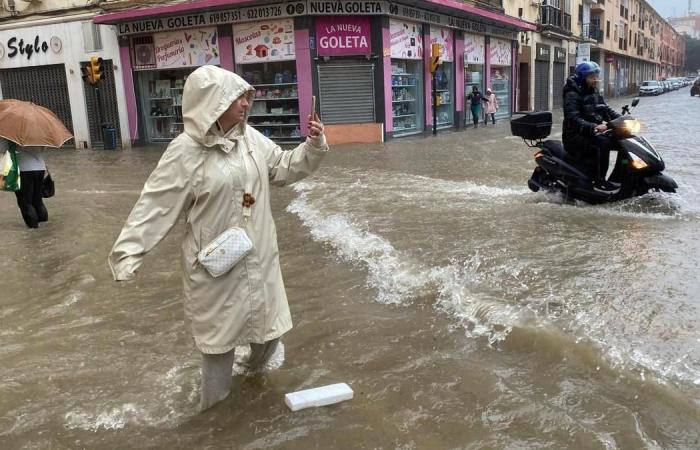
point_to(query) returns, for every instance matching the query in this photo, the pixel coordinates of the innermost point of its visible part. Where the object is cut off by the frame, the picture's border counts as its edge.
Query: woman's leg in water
(217, 372)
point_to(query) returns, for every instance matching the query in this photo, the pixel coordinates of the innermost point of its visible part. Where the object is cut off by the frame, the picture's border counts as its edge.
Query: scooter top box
(532, 126)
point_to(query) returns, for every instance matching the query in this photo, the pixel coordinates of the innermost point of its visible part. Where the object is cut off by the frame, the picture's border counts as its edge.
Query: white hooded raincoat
(205, 175)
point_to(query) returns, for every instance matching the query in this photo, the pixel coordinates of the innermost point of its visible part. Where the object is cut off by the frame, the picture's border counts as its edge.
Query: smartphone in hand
(313, 107)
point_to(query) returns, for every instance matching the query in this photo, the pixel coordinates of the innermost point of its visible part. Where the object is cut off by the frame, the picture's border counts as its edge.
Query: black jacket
(583, 110)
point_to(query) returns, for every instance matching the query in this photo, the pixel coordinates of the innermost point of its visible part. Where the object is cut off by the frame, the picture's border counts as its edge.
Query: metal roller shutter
(110, 111)
(541, 85)
(559, 78)
(46, 86)
(346, 92)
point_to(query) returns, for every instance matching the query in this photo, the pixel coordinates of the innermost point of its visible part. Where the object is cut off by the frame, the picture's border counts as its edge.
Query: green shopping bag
(9, 170)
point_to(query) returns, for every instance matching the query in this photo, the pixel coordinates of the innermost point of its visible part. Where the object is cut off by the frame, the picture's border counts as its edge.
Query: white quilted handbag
(225, 251)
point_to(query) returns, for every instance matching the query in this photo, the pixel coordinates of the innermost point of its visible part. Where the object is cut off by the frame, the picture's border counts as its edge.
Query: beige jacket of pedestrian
(205, 176)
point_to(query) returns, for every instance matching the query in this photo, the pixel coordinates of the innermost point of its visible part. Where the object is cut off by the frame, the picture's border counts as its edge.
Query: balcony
(598, 6)
(554, 20)
(592, 32)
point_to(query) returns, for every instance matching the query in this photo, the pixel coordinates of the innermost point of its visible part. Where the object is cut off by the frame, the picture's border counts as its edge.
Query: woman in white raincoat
(205, 173)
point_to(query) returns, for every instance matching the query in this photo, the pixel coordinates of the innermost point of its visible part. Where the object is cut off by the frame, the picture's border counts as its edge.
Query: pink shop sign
(343, 35)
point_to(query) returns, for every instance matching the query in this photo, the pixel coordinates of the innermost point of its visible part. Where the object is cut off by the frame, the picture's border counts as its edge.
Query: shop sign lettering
(26, 48)
(311, 7)
(216, 17)
(337, 8)
(342, 35)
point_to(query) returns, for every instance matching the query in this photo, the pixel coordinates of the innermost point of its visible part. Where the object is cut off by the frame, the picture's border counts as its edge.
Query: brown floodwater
(464, 310)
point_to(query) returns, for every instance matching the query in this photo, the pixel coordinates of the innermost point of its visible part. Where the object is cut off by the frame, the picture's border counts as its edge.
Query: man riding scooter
(585, 117)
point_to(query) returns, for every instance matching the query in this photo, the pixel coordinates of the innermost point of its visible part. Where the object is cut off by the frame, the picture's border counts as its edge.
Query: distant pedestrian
(475, 98)
(30, 195)
(490, 106)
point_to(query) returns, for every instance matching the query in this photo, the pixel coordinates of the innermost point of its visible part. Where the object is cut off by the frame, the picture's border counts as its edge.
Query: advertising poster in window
(500, 52)
(474, 49)
(186, 48)
(444, 37)
(259, 42)
(406, 40)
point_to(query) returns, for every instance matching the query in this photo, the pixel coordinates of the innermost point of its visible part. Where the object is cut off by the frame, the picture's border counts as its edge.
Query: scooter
(638, 168)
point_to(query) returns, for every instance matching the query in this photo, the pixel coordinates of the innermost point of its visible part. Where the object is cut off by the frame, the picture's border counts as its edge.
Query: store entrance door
(108, 99)
(559, 78)
(346, 90)
(46, 86)
(541, 85)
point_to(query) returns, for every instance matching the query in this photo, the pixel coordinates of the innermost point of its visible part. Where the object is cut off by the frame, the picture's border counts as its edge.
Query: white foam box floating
(320, 396)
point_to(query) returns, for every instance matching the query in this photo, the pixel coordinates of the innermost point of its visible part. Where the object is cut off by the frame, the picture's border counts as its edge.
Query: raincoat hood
(209, 91)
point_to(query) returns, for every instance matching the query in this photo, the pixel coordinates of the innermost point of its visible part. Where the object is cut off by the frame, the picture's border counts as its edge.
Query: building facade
(627, 38)
(43, 46)
(366, 61)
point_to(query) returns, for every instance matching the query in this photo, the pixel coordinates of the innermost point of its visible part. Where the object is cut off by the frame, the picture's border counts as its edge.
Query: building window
(91, 37)
(607, 29)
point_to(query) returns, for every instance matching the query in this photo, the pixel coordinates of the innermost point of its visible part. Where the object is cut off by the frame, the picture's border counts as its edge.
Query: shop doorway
(541, 85)
(46, 86)
(108, 97)
(524, 84)
(347, 93)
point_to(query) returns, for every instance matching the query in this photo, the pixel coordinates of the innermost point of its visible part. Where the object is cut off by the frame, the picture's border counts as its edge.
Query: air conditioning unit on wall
(144, 54)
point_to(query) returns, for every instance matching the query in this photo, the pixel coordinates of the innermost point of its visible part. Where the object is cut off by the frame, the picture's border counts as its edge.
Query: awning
(451, 8)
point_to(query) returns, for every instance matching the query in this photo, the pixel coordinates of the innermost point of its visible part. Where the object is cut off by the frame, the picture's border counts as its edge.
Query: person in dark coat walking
(585, 121)
(475, 99)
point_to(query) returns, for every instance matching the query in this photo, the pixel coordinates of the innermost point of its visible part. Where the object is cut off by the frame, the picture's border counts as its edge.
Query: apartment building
(627, 38)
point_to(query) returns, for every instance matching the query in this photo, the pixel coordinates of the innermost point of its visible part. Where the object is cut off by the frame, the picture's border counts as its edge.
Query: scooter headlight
(637, 162)
(632, 126)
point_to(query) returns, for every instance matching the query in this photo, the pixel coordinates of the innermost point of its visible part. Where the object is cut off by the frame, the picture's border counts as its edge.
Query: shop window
(275, 109)
(92, 38)
(161, 95)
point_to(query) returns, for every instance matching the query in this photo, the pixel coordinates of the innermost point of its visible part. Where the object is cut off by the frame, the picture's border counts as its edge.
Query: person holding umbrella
(26, 125)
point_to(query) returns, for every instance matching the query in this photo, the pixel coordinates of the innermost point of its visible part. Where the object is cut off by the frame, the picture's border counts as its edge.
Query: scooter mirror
(635, 102)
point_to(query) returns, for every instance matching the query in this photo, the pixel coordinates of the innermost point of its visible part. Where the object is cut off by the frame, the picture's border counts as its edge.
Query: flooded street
(464, 310)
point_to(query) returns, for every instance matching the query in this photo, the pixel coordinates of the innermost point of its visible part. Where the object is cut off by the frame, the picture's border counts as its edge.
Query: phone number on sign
(264, 12)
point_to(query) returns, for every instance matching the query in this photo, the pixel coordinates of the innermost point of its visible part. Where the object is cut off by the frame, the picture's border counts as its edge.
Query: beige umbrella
(30, 125)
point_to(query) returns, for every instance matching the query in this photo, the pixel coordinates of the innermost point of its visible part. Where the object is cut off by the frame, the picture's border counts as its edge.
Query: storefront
(41, 64)
(542, 77)
(162, 63)
(406, 77)
(346, 73)
(501, 59)
(265, 54)
(365, 61)
(558, 76)
(474, 68)
(444, 76)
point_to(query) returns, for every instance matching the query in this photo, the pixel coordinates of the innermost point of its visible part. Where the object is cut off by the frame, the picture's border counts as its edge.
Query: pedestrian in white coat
(206, 173)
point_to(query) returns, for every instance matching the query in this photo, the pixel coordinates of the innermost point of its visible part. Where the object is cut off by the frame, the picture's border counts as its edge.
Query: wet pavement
(464, 310)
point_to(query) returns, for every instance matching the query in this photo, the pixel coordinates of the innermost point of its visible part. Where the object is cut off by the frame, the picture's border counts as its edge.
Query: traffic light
(96, 68)
(86, 74)
(435, 60)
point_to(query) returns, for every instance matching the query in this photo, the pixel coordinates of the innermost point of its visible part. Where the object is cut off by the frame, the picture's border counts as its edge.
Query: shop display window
(161, 102)
(501, 85)
(444, 78)
(275, 109)
(407, 96)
